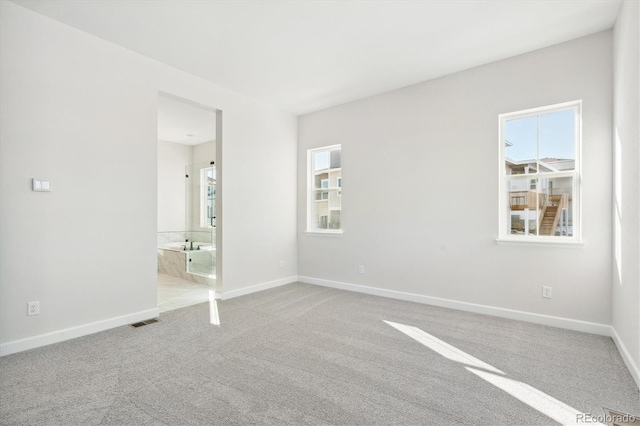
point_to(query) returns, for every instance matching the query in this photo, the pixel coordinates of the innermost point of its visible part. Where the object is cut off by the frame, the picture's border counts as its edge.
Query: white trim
(566, 323)
(543, 109)
(553, 321)
(626, 357)
(226, 295)
(546, 175)
(15, 346)
(539, 242)
(328, 232)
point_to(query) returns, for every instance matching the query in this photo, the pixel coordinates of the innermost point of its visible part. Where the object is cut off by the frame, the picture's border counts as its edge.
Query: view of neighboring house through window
(208, 197)
(324, 189)
(540, 173)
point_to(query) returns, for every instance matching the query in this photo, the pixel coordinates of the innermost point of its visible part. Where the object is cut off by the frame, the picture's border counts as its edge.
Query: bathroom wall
(172, 159)
(205, 152)
(82, 112)
(174, 225)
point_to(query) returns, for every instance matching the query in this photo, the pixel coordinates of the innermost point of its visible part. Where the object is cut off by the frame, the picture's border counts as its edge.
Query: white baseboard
(560, 322)
(15, 346)
(225, 295)
(626, 357)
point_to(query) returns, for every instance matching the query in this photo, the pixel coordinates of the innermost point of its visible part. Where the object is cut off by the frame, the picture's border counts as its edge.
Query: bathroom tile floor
(174, 293)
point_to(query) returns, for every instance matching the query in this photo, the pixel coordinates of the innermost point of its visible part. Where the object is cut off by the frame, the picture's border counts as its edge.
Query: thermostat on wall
(41, 185)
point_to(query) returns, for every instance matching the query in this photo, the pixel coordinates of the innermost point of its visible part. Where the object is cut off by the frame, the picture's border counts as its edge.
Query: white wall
(626, 291)
(82, 112)
(420, 197)
(172, 160)
(204, 152)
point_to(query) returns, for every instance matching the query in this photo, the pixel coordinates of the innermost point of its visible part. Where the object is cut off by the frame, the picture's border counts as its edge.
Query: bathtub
(193, 265)
(181, 246)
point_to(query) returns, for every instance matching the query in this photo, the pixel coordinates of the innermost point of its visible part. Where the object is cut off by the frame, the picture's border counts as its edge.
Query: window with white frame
(208, 197)
(540, 174)
(324, 185)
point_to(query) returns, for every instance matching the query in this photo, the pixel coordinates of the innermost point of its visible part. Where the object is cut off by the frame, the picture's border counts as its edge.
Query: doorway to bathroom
(188, 202)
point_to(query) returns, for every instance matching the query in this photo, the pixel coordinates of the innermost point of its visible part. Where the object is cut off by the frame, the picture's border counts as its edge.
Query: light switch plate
(40, 185)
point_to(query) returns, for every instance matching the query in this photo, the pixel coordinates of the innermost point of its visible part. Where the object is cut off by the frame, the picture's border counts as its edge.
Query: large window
(324, 186)
(540, 174)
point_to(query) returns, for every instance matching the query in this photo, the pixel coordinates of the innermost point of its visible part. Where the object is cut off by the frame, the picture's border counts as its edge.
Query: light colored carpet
(302, 354)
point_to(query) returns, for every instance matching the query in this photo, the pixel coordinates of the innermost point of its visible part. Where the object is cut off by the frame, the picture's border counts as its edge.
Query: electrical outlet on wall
(33, 308)
(361, 269)
(546, 292)
(281, 264)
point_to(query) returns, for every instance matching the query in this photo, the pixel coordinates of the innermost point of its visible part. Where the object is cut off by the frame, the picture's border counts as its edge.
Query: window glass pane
(517, 222)
(321, 160)
(321, 219)
(524, 206)
(557, 141)
(321, 180)
(325, 191)
(524, 222)
(335, 219)
(208, 197)
(556, 207)
(211, 196)
(336, 162)
(520, 145)
(541, 206)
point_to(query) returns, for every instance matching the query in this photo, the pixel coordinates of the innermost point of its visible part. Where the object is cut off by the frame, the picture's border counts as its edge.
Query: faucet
(185, 244)
(191, 246)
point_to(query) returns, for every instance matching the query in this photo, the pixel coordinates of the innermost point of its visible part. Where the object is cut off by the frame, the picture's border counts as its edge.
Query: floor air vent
(141, 323)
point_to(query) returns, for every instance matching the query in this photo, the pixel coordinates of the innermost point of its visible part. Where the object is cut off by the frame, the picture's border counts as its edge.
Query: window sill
(539, 243)
(332, 233)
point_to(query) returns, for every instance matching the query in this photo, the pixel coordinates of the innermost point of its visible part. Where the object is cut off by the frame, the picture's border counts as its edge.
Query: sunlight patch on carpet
(534, 398)
(442, 348)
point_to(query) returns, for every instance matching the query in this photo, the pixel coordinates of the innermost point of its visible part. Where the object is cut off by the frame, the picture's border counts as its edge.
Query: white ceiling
(308, 55)
(184, 122)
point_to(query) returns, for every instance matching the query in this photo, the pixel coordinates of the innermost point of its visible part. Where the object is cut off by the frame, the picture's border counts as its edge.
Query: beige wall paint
(429, 155)
(172, 159)
(82, 112)
(626, 124)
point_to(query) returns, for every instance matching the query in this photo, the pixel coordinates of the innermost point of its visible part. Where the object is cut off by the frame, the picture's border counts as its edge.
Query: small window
(208, 197)
(323, 189)
(540, 174)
